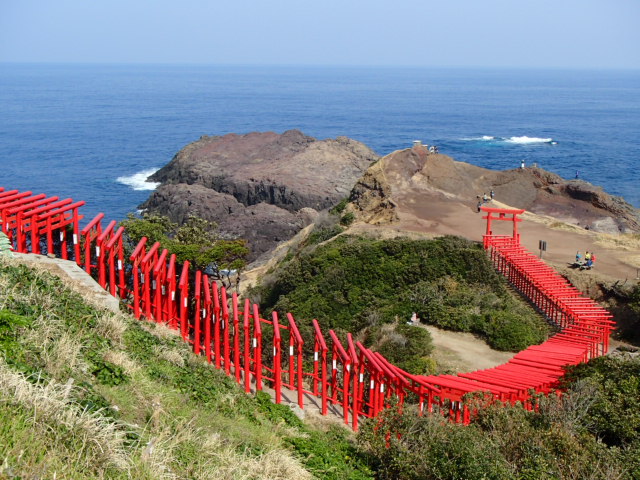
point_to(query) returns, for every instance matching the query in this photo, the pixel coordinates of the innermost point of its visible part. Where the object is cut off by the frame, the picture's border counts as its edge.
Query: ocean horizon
(95, 132)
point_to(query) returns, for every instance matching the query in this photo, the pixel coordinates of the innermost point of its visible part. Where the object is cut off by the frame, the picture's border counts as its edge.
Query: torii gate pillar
(505, 214)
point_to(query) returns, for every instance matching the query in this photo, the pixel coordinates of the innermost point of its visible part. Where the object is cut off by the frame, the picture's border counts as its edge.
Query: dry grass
(111, 326)
(624, 241)
(389, 335)
(28, 294)
(216, 458)
(163, 455)
(175, 440)
(59, 350)
(169, 354)
(121, 359)
(98, 441)
(273, 465)
(65, 353)
(160, 330)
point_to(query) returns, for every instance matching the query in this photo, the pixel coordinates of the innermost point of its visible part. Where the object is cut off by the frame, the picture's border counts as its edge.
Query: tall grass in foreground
(86, 393)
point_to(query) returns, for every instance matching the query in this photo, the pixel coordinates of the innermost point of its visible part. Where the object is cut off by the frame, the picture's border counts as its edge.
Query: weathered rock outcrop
(404, 180)
(255, 185)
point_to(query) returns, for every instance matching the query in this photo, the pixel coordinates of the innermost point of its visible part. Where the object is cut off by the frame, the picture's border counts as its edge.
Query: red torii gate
(359, 380)
(502, 215)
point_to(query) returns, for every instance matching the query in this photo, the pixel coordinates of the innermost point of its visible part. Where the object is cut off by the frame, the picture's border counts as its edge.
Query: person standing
(522, 165)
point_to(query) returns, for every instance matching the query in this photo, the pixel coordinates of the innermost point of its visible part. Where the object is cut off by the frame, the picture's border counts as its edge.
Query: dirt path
(463, 352)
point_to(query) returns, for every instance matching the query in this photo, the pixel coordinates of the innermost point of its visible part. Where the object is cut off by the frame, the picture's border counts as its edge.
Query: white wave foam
(138, 181)
(525, 140)
(477, 139)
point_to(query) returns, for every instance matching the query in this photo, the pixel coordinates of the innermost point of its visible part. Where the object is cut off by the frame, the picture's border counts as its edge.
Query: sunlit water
(95, 133)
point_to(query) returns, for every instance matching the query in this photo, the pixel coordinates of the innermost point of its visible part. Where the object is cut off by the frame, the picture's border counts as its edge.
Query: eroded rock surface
(259, 186)
(406, 180)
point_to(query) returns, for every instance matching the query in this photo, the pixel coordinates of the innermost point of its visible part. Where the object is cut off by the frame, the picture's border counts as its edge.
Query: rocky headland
(261, 186)
(409, 181)
(266, 187)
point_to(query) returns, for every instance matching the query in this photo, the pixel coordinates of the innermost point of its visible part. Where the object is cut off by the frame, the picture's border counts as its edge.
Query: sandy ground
(433, 215)
(463, 352)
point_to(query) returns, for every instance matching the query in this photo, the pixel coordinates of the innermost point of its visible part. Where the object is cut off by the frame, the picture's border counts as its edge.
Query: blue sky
(489, 33)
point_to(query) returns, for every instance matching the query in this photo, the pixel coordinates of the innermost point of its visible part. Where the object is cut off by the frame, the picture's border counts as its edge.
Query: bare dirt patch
(463, 352)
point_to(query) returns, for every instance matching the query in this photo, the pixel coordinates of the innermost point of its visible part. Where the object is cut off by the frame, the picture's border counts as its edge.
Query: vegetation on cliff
(359, 284)
(85, 393)
(196, 240)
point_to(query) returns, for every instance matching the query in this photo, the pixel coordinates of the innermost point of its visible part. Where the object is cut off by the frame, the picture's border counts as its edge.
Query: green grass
(85, 393)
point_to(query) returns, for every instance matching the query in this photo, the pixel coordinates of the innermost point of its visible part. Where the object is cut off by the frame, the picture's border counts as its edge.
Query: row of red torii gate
(335, 373)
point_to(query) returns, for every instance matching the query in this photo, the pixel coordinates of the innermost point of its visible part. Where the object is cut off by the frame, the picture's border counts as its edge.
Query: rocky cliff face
(258, 186)
(404, 179)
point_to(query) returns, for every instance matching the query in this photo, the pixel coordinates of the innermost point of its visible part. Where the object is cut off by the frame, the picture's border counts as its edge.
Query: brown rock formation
(255, 185)
(406, 180)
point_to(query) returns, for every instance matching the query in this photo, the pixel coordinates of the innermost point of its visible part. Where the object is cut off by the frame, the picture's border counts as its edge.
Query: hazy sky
(507, 33)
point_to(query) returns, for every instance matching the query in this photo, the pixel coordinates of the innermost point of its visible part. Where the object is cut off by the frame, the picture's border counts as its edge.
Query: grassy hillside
(85, 393)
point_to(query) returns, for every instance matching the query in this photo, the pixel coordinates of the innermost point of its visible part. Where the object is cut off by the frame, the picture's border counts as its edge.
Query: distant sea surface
(95, 132)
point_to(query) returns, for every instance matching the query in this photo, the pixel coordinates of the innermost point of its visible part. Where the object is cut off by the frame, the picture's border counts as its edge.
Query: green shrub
(407, 447)
(448, 281)
(507, 331)
(10, 327)
(406, 346)
(107, 373)
(347, 219)
(331, 455)
(614, 413)
(503, 442)
(323, 234)
(339, 208)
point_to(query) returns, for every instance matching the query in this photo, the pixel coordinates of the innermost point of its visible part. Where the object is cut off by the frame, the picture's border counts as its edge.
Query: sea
(96, 132)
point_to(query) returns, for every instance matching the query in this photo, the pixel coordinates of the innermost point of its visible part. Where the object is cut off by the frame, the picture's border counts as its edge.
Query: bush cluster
(353, 282)
(593, 431)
